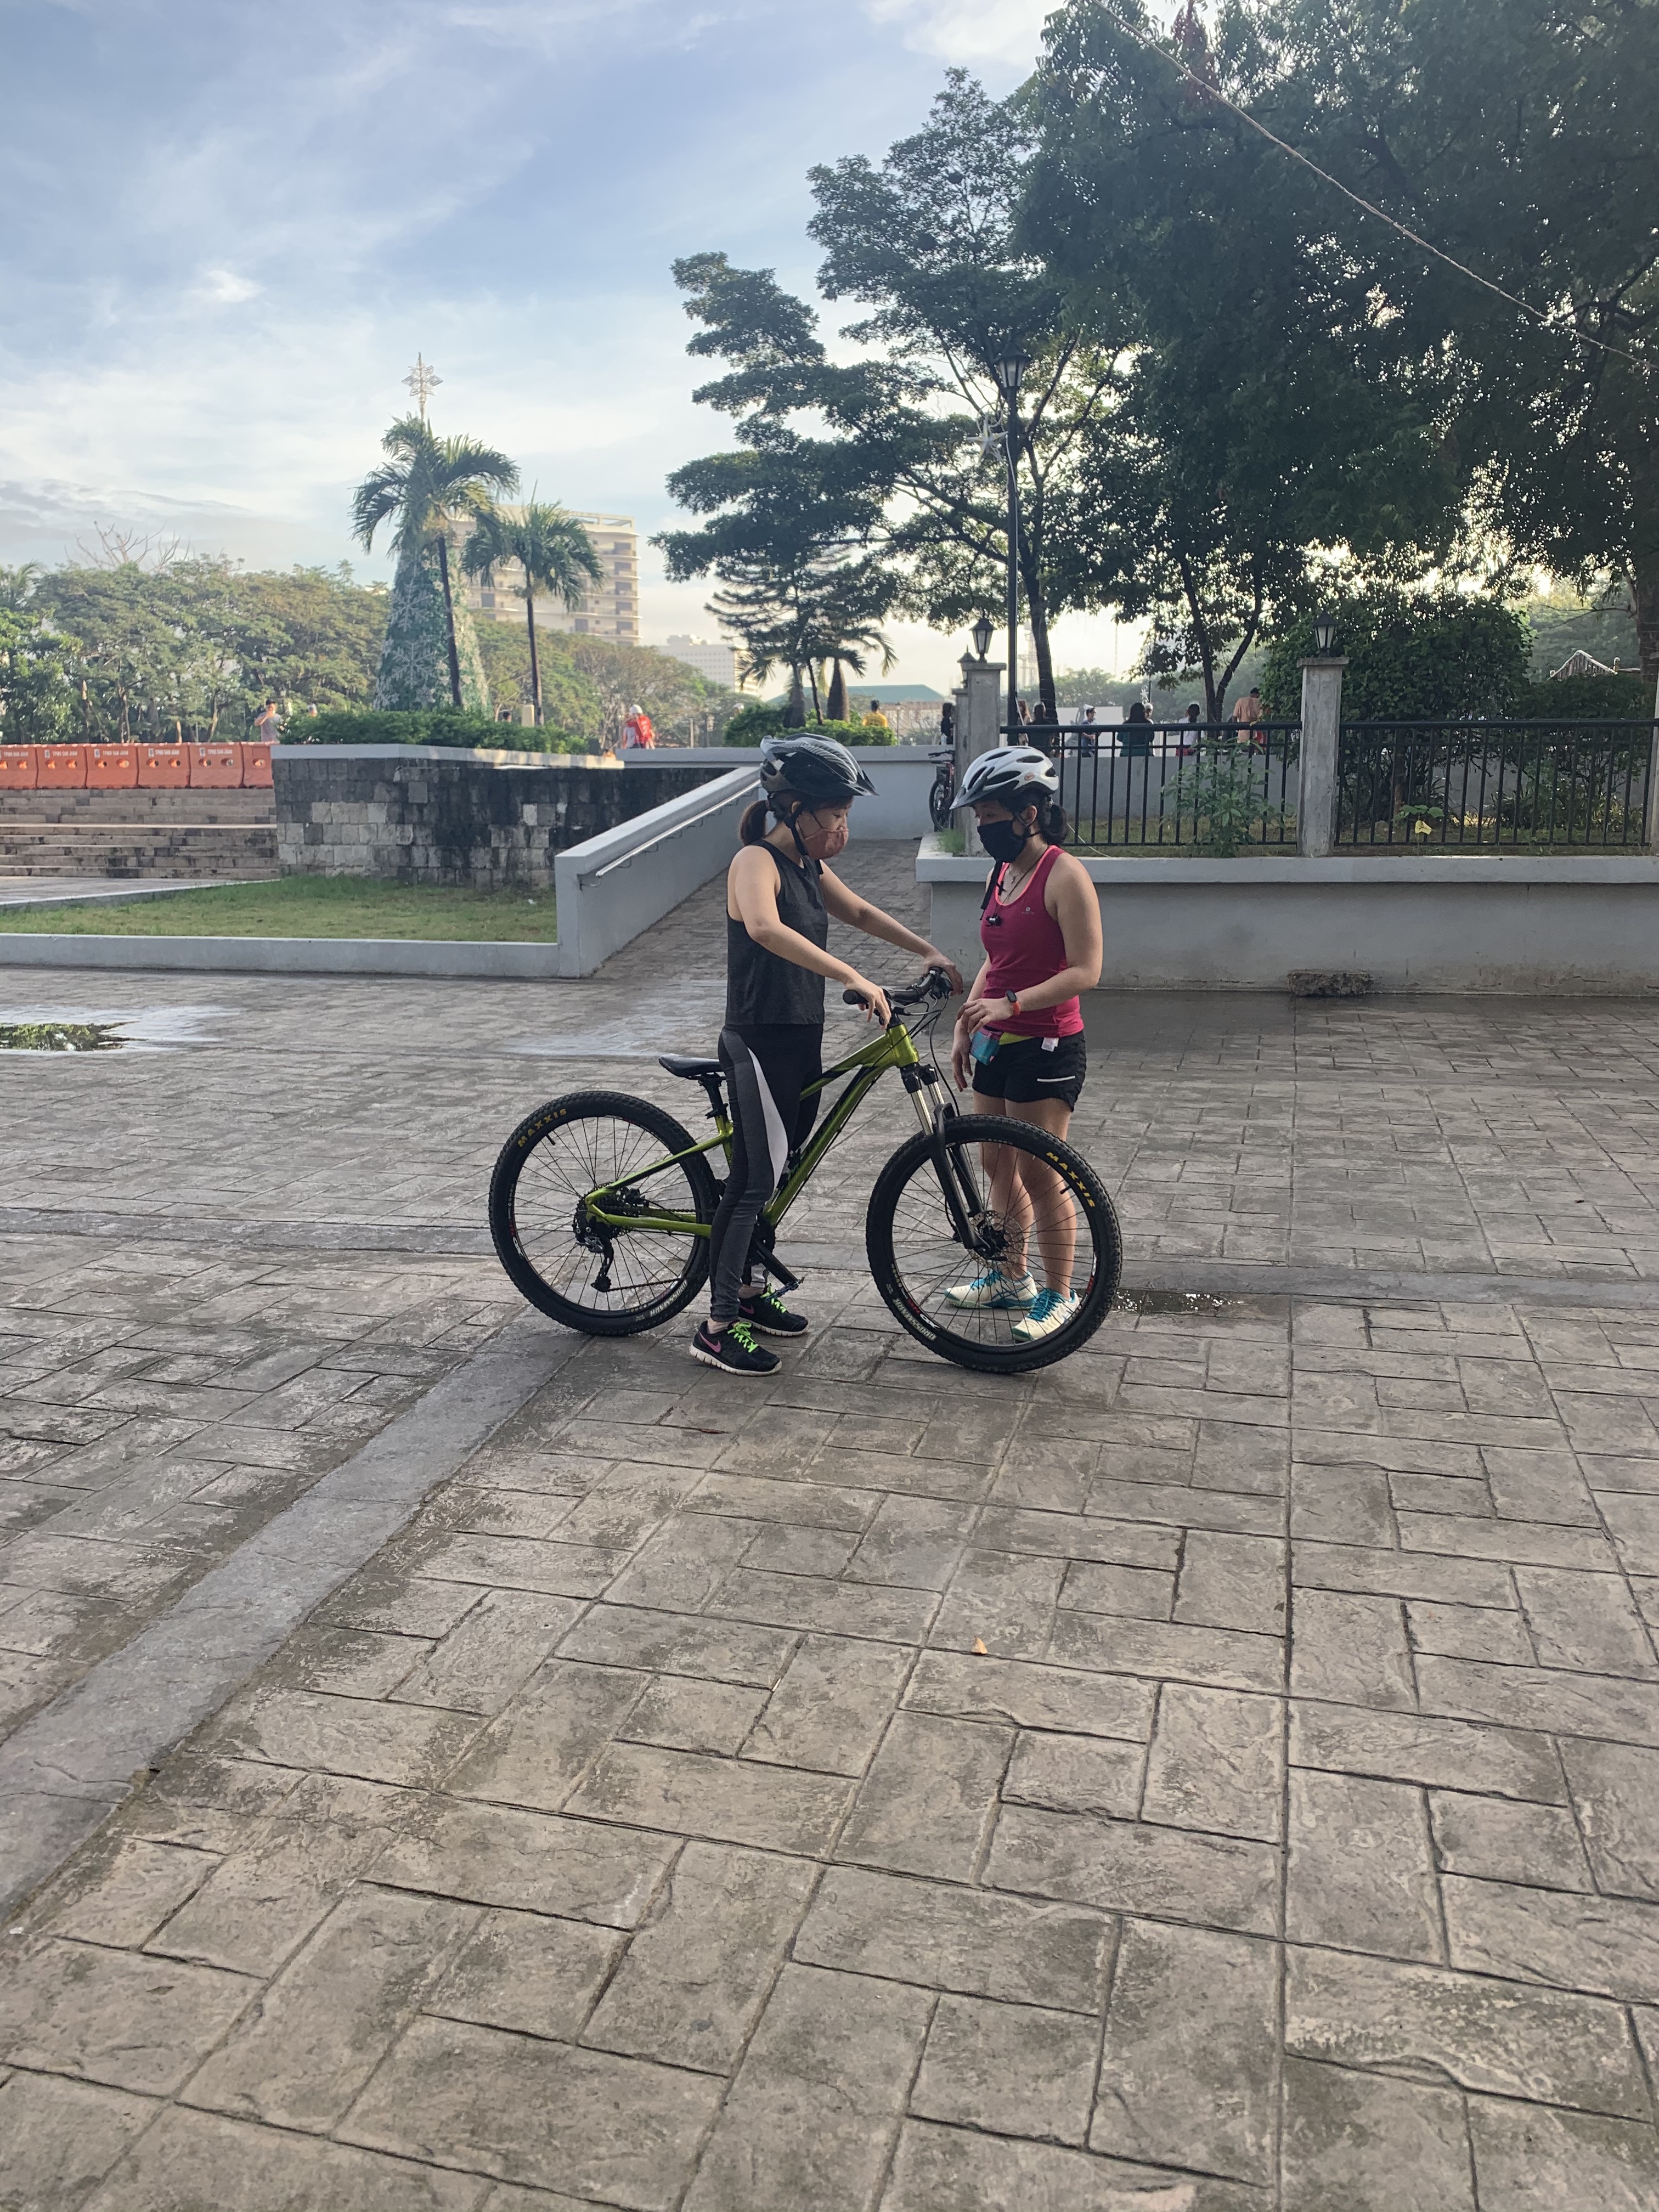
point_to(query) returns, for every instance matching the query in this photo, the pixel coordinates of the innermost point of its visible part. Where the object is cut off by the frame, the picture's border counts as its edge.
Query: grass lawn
(304, 906)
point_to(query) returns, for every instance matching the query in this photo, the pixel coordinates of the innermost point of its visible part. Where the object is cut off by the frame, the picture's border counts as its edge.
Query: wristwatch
(1012, 997)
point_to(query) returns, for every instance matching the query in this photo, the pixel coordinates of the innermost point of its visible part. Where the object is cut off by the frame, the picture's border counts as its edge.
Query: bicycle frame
(893, 1049)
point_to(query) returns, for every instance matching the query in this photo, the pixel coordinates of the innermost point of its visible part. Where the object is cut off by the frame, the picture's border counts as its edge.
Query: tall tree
(427, 484)
(1255, 439)
(553, 552)
(1522, 138)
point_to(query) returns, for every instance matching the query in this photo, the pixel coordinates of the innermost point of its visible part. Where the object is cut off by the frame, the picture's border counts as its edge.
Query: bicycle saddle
(694, 1071)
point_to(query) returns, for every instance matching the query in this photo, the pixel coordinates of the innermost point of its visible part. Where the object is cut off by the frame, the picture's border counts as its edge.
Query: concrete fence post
(1651, 826)
(978, 727)
(1321, 731)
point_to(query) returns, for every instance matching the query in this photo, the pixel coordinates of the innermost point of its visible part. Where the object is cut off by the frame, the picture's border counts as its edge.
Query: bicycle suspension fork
(963, 1202)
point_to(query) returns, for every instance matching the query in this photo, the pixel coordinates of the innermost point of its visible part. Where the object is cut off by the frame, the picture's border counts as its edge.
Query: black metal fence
(1498, 785)
(1192, 787)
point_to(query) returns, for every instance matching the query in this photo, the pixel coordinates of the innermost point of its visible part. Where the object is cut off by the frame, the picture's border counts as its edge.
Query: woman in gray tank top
(779, 898)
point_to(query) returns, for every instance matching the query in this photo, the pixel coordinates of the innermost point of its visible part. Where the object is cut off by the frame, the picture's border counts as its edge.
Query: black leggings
(766, 1070)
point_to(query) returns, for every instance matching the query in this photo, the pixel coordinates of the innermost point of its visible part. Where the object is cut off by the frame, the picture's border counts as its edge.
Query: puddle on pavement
(1177, 1302)
(59, 1037)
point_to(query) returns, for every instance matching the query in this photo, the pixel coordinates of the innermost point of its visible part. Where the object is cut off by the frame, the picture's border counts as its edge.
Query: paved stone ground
(641, 1827)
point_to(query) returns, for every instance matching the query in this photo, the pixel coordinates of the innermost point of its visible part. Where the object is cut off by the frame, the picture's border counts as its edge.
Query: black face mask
(1003, 841)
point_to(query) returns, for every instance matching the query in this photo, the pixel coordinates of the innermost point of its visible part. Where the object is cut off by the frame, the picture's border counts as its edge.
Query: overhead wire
(1212, 91)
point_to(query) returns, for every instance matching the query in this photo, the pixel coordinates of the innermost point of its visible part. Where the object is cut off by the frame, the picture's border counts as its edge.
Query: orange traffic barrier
(256, 765)
(163, 768)
(18, 764)
(112, 768)
(215, 768)
(61, 768)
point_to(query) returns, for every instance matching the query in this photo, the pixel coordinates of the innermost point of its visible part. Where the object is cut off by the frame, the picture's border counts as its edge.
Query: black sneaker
(765, 1310)
(733, 1350)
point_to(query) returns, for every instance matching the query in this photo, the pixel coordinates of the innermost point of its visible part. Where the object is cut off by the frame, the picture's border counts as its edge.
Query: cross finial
(422, 381)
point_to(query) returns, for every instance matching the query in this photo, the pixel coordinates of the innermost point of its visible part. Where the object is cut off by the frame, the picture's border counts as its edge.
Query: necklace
(1013, 890)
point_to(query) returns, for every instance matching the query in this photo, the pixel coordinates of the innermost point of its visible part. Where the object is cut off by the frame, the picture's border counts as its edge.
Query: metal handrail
(626, 860)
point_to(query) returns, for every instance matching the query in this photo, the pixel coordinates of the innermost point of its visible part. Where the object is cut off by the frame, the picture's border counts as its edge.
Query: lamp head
(982, 637)
(1008, 371)
(1324, 630)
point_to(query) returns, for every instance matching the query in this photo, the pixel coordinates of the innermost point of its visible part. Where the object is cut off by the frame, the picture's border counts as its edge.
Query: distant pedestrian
(639, 729)
(875, 720)
(947, 724)
(1191, 734)
(1246, 713)
(268, 725)
(1134, 739)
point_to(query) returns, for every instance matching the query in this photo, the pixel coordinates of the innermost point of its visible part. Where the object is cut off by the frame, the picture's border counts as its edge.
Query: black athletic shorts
(1022, 1073)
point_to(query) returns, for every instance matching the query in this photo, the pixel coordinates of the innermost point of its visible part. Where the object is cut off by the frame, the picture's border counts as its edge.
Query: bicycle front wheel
(956, 1214)
(577, 1205)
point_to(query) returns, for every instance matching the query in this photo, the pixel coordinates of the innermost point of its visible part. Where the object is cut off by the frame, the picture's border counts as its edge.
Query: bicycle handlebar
(936, 984)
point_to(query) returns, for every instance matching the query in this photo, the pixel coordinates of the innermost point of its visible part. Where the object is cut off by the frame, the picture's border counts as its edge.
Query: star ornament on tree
(422, 381)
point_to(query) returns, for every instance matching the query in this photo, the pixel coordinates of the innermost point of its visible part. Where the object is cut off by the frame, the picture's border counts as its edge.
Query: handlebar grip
(854, 999)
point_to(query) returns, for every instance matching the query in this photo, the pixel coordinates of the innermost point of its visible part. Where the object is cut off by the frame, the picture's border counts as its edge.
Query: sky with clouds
(230, 227)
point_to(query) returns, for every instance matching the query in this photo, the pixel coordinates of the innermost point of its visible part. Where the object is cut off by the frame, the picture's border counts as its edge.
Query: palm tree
(552, 548)
(428, 481)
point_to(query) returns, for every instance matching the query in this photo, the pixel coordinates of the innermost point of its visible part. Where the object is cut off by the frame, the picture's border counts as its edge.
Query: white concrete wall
(902, 776)
(619, 883)
(1418, 923)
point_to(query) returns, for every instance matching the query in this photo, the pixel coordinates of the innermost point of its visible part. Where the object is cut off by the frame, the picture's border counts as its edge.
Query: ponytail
(782, 806)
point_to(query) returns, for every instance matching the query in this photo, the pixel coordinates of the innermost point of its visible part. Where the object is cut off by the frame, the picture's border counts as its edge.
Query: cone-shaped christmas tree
(414, 671)
(836, 709)
(796, 710)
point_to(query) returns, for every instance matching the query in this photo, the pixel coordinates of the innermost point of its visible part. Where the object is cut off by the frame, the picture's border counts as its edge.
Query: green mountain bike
(600, 1207)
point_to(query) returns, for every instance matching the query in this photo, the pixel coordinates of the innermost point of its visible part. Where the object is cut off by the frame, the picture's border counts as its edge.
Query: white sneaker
(1050, 1311)
(994, 1292)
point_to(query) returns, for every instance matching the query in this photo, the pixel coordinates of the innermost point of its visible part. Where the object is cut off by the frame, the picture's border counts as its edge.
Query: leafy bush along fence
(1525, 785)
(1208, 787)
(439, 726)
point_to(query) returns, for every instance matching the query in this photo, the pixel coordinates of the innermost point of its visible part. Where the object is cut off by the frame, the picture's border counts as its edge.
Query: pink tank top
(1026, 948)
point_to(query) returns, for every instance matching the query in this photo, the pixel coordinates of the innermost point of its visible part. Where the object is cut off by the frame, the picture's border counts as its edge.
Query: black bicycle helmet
(818, 769)
(1005, 769)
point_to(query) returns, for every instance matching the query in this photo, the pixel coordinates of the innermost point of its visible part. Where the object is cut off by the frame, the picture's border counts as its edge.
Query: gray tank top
(763, 990)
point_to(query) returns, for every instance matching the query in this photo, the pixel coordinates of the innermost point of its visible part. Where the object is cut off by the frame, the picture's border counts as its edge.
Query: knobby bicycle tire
(548, 1262)
(939, 802)
(912, 1177)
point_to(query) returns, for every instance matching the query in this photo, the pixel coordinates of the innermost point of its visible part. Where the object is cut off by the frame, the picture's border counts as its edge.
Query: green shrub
(1586, 698)
(753, 724)
(850, 733)
(1410, 659)
(438, 725)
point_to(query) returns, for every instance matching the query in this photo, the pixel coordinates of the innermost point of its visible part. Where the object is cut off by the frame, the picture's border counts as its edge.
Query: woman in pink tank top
(1020, 1032)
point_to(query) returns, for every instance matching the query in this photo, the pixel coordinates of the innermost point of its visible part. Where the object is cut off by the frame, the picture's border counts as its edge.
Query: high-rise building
(610, 610)
(712, 658)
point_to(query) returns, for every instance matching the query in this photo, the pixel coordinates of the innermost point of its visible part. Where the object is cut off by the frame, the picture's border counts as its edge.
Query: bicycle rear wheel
(604, 1281)
(933, 1235)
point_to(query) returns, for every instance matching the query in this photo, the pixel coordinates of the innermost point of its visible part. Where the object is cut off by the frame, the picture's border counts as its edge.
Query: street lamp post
(1008, 371)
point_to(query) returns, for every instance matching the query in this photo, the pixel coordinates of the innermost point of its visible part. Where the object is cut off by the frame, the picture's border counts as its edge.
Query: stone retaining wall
(424, 815)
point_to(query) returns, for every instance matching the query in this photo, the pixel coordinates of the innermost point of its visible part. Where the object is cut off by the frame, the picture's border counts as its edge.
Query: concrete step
(123, 850)
(126, 808)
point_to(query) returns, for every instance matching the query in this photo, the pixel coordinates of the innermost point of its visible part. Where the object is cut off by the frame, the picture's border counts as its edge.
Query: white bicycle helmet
(1005, 769)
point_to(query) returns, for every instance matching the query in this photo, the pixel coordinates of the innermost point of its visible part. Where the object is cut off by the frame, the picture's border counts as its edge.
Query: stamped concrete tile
(1417, 1748)
(1498, 1841)
(1075, 1774)
(1065, 1697)
(1129, 1866)
(1188, 2074)
(1563, 1703)
(1529, 2161)
(842, 1609)
(1351, 1648)
(1373, 1572)
(940, 2169)
(683, 1715)
(926, 1804)
(121, 1889)
(817, 2101)
(698, 1972)
(1470, 1631)
(549, 2114)
(1232, 1582)
(534, 1752)
(1615, 1789)
(1506, 2036)
(916, 1541)
(1584, 1621)
(1217, 1762)
(1224, 1657)
(118, 2017)
(1353, 2141)
(731, 1801)
(532, 1862)
(59, 2138)
(494, 1647)
(1097, 1586)
(1079, 1536)
(1362, 1875)
(947, 1937)
(191, 2159)
(1012, 2069)
(525, 1972)
(363, 1738)
(829, 1710)
(1606, 1944)
(329, 2017)
(677, 1644)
